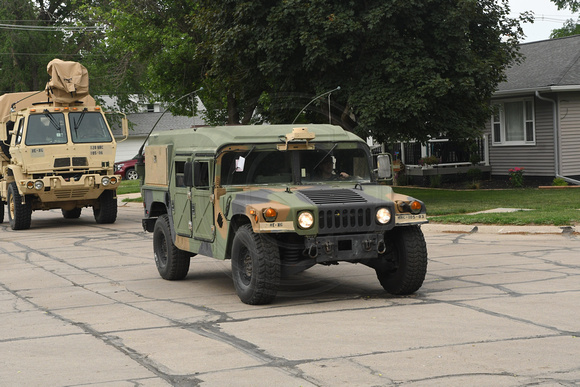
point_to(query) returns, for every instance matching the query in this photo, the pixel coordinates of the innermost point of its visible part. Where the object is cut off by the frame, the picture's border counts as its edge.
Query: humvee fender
(277, 200)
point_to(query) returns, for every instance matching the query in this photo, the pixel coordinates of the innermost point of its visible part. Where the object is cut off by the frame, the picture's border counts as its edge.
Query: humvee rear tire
(72, 214)
(406, 248)
(172, 263)
(255, 266)
(107, 209)
(19, 214)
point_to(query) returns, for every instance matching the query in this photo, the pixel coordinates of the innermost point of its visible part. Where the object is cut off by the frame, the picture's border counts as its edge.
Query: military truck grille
(71, 194)
(64, 162)
(341, 210)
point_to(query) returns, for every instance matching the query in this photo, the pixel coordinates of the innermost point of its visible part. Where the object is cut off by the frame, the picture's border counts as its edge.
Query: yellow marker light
(97, 108)
(30, 185)
(270, 214)
(416, 207)
(305, 220)
(33, 110)
(56, 109)
(113, 180)
(254, 215)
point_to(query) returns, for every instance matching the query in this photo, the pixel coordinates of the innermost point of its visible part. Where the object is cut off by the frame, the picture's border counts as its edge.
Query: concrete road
(82, 304)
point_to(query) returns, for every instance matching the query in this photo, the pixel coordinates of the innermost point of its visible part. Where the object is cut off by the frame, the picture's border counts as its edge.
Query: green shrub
(559, 182)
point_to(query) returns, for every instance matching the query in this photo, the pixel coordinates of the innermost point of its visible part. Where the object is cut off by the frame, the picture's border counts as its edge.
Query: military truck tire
(107, 209)
(72, 214)
(172, 263)
(407, 248)
(255, 267)
(131, 174)
(1, 212)
(19, 215)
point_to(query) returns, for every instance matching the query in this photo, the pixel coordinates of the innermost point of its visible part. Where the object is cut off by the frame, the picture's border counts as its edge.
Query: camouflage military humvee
(277, 200)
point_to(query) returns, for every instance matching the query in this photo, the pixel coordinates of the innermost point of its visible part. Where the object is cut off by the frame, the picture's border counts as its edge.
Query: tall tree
(406, 68)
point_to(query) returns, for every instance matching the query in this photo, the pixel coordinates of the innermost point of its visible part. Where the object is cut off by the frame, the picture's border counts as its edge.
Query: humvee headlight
(113, 180)
(105, 181)
(416, 207)
(383, 215)
(305, 220)
(270, 214)
(38, 185)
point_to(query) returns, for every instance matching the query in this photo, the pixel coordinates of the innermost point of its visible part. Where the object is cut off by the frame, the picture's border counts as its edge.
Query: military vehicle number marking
(38, 152)
(277, 226)
(408, 218)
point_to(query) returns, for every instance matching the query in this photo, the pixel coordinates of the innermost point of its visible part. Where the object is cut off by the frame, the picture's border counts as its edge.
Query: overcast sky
(547, 17)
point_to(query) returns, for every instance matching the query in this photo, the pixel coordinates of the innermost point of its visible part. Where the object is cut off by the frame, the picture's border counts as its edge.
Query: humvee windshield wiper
(325, 156)
(52, 120)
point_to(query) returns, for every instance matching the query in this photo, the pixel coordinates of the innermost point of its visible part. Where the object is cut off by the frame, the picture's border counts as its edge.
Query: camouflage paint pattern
(207, 217)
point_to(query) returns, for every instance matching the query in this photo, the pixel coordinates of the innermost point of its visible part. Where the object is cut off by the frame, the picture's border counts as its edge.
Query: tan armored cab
(58, 150)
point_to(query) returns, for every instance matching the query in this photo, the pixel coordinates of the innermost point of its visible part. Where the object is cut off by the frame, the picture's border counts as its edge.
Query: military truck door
(181, 198)
(202, 193)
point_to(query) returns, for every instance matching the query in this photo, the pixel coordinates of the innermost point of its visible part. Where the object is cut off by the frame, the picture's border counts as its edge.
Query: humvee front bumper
(351, 247)
(59, 188)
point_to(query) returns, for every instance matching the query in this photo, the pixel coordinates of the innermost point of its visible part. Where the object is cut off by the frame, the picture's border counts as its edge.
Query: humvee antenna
(314, 99)
(166, 110)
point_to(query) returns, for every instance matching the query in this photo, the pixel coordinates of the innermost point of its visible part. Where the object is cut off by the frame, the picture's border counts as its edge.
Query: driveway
(82, 304)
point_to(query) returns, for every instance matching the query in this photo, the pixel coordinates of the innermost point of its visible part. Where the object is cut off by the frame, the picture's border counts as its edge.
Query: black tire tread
(178, 261)
(107, 210)
(410, 279)
(267, 271)
(22, 212)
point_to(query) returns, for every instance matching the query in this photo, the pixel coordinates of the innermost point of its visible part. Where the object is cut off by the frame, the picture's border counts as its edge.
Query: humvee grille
(333, 196)
(344, 219)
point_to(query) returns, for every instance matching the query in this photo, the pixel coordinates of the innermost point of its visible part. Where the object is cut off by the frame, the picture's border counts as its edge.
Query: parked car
(127, 169)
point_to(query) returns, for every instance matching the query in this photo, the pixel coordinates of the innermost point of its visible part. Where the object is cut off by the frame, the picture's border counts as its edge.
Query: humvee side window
(179, 173)
(201, 178)
(46, 129)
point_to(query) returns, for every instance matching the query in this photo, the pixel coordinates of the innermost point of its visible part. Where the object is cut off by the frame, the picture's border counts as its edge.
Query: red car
(127, 169)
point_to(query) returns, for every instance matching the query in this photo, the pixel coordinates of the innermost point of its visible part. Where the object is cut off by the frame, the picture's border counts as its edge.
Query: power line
(16, 27)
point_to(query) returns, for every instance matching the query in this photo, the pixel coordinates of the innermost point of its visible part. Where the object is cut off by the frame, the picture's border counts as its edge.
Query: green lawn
(129, 186)
(559, 207)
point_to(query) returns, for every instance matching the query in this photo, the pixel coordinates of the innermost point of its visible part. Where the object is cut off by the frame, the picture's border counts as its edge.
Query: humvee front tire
(407, 251)
(107, 208)
(255, 267)
(19, 214)
(172, 263)
(72, 214)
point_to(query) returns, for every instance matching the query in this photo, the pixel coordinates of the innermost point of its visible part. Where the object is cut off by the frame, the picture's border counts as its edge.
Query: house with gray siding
(536, 120)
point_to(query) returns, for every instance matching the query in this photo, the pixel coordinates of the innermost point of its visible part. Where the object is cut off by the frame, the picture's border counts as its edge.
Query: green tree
(569, 28)
(32, 34)
(573, 5)
(406, 68)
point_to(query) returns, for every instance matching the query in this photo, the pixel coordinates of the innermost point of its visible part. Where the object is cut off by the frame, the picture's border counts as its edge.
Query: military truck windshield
(46, 129)
(88, 127)
(268, 165)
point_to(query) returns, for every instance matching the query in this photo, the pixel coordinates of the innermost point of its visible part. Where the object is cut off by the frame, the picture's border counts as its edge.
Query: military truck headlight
(270, 214)
(305, 220)
(38, 185)
(383, 215)
(105, 180)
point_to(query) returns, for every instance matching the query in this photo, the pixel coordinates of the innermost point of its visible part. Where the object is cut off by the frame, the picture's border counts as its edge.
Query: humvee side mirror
(125, 126)
(187, 174)
(384, 166)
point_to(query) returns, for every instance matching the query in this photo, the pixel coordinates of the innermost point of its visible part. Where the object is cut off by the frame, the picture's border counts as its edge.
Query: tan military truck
(277, 200)
(57, 150)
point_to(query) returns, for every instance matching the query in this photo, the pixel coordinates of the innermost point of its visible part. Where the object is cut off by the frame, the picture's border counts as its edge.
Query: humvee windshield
(267, 165)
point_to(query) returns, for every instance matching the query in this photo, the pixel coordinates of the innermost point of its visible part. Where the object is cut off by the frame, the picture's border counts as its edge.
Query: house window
(513, 123)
